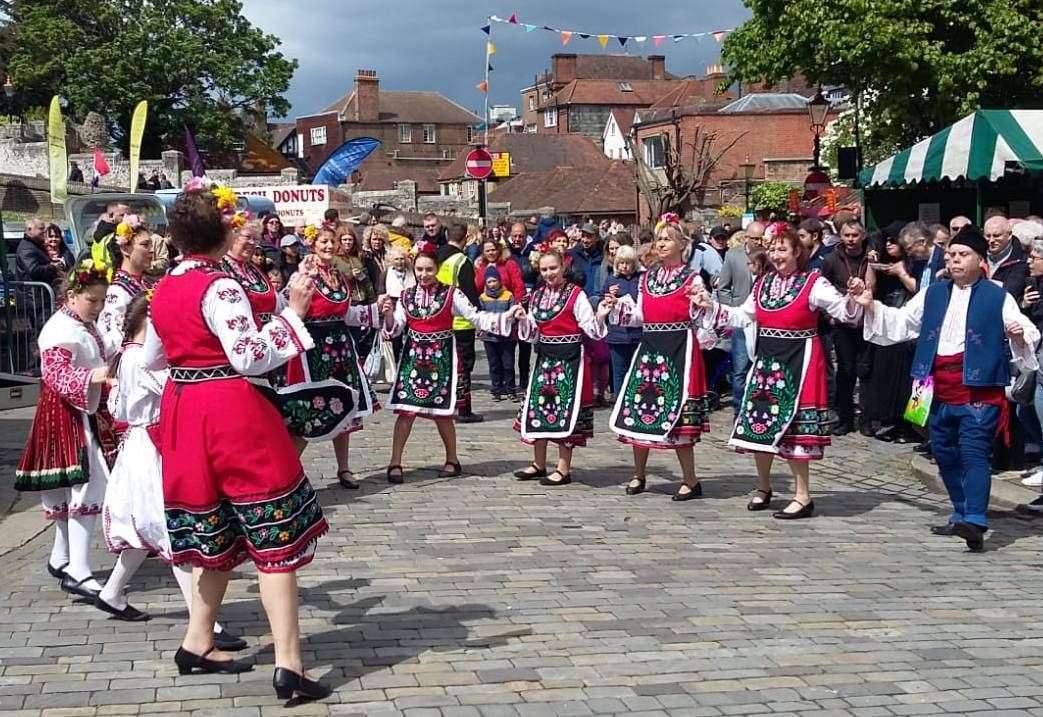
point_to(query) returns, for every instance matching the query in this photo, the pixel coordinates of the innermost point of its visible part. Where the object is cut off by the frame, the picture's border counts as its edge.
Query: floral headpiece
(668, 219)
(311, 233)
(87, 272)
(226, 199)
(775, 229)
(425, 248)
(126, 228)
(239, 219)
(196, 184)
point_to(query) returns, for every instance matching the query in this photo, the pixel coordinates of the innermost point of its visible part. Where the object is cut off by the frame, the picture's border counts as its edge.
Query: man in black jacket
(434, 232)
(1006, 257)
(31, 260)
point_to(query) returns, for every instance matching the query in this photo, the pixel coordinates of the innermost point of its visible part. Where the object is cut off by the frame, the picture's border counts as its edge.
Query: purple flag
(195, 162)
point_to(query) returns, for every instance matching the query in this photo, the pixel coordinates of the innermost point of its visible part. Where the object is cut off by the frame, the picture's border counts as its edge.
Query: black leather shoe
(942, 529)
(806, 511)
(75, 587)
(347, 480)
(469, 418)
(454, 470)
(189, 662)
(58, 573)
(227, 641)
(533, 472)
(695, 492)
(842, 429)
(763, 504)
(974, 535)
(922, 448)
(288, 684)
(635, 489)
(395, 477)
(127, 614)
(565, 479)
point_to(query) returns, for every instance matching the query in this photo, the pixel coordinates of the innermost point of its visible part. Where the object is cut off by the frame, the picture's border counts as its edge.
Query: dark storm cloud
(437, 45)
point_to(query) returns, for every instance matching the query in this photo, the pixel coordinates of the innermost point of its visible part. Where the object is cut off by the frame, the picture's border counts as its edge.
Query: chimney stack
(563, 67)
(367, 97)
(658, 66)
(716, 73)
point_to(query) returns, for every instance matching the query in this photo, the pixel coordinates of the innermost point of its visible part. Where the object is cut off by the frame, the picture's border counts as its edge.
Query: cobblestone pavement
(485, 596)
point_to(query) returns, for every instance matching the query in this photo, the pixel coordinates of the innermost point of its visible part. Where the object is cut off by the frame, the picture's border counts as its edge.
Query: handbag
(918, 408)
(1023, 389)
(374, 360)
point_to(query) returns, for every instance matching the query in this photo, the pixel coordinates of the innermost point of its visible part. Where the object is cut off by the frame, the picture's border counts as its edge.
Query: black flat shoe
(347, 480)
(189, 662)
(635, 489)
(696, 491)
(974, 535)
(533, 472)
(842, 429)
(470, 418)
(75, 587)
(942, 529)
(806, 511)
(396, 478)
(455, 472)
(565, 479)
(762, 505)
(58, 573)
(127, 614)
(227, 641)
(288, 683)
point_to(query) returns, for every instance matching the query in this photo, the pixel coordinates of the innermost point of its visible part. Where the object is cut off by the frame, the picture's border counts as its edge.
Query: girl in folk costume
(326, 393)
(228, 495)
(65, 457)
(427, 380)
(559, 398)
(662, 403)
(785, 405)
(131, 251)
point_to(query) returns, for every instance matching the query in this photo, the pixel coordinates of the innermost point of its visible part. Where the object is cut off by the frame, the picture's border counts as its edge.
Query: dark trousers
(524, 360)
(851, 354)
(500, 355)
(620, 356)
(961, 439)
(465, 356)
(740, 367)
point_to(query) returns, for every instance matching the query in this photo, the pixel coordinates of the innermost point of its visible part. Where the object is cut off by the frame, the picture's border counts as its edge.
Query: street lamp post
(818, 108)
(747, 173)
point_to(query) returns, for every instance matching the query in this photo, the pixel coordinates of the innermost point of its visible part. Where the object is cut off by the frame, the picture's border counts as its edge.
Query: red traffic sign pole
(478, 164)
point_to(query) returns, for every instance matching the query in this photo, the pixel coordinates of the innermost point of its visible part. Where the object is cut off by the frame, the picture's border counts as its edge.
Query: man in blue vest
(962, 327)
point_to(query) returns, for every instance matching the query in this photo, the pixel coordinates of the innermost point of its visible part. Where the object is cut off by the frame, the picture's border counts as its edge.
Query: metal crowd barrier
(26, 307)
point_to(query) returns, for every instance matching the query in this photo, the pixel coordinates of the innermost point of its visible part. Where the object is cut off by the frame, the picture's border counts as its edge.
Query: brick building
(579, 92)
(420, 132)
(769, 130)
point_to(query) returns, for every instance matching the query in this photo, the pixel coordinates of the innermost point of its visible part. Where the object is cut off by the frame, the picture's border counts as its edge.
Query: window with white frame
(470, 134)
(532, 101)
(429, 134)
(405, 134)
(318, 135)
(550, 118)
(655, 154)
(530, 128)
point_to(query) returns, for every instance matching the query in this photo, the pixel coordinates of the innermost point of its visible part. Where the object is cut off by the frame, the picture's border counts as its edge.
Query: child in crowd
(499, 349)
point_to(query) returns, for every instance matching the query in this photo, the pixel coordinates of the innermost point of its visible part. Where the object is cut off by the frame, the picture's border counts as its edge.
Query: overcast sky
(437, 44)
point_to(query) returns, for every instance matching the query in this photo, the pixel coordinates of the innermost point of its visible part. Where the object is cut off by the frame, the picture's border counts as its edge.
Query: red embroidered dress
(663, 400)
(318, 381)
(232, 483)
(785, 404)
(71, 438)
(559, 395)
(264, 300)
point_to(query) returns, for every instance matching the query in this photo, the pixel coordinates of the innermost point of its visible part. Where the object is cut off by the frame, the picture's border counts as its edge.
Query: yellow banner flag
(137, 132)
(490, 49)
(57, 159)
(602, 40)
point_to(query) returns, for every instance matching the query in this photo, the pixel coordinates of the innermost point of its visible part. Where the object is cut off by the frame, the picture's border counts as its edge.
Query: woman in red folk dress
(265, 301)
(662, 403)
(228, 495)
(786, 402)
(427, 379)
(559, 397)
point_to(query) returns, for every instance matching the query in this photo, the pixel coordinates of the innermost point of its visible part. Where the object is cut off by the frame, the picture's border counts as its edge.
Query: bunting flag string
(603, 38)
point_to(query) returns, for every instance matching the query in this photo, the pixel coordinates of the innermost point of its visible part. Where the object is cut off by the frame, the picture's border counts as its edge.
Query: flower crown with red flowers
(86, 273)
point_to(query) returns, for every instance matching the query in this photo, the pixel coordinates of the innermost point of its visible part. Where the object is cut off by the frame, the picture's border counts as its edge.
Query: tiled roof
(624, 120)
(381, 173)
(642, 93)
(613, 67)
(572, 190)
(692, 91)
(531, 152)
(279, 131)
(413, 107)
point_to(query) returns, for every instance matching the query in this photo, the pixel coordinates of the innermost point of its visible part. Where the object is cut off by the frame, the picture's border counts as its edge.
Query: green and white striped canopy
(976, 147)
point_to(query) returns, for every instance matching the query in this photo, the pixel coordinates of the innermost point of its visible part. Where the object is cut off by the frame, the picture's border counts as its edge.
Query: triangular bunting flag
(529, 28)
(513, 19)
(719, 35)
(640, 38)
(490, 49)
(657, 40)
(623, 40)
(482, 86)
(678, 38)
(602, 40)
(490, 67)
(565, 37)
(584, 35)
(549, 28)
(486, 29)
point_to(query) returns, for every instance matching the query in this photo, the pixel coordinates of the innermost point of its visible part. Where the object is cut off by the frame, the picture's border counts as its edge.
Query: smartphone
(878, 266)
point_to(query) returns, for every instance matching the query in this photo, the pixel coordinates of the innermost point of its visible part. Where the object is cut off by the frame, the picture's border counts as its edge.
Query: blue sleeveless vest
(985, 361)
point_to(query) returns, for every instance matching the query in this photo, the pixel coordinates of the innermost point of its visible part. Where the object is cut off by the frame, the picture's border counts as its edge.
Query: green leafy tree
(197, 62)
(770, 196)
(917, 66)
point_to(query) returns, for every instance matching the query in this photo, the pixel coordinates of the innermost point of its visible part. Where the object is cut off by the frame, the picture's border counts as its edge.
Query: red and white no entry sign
(478, 164)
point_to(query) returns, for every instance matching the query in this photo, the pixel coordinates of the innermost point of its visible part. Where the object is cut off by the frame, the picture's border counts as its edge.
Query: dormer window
(626, 87)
